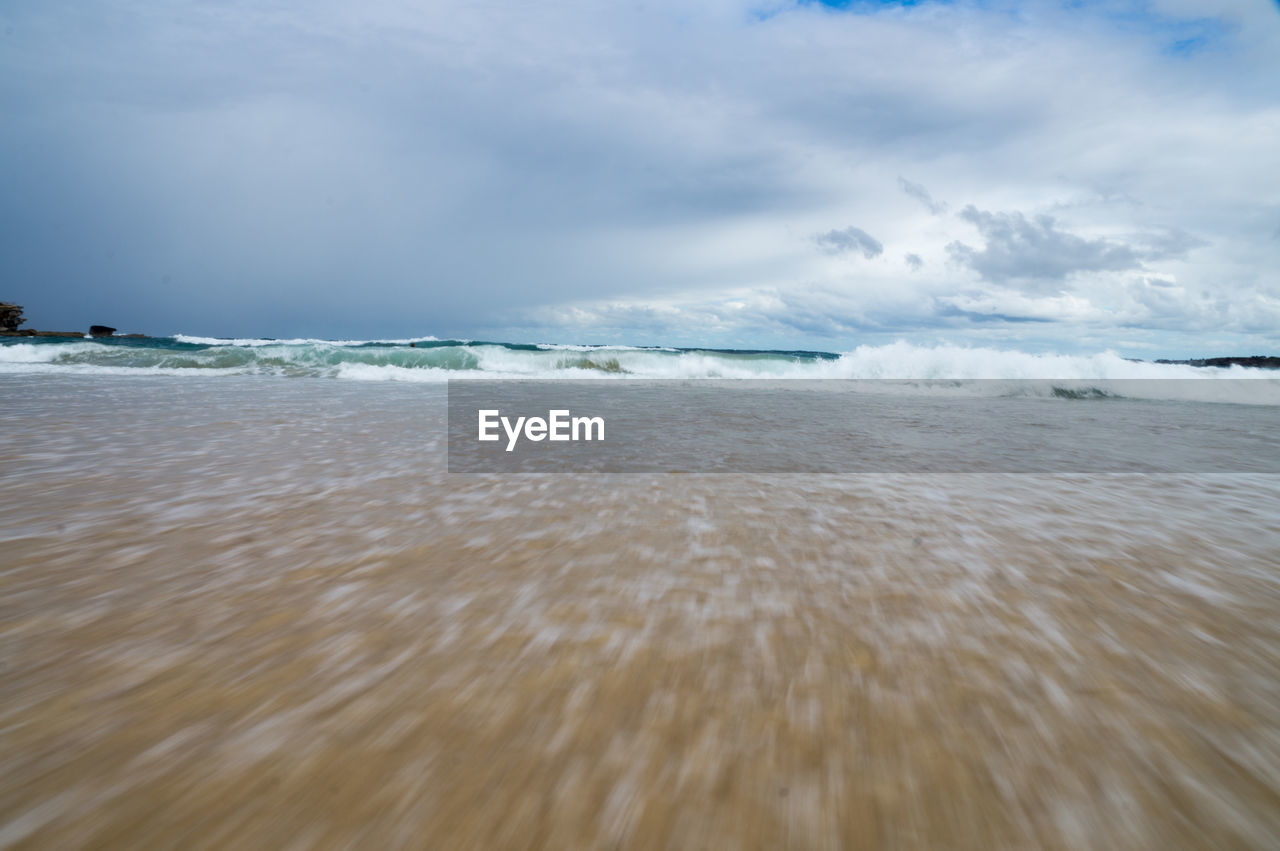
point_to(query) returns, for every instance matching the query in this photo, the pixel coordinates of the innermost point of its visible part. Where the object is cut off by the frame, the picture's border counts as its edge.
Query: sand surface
(275, 622)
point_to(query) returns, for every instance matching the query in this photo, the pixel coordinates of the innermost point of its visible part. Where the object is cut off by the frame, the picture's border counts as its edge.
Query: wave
(933, 369)
(254, 342)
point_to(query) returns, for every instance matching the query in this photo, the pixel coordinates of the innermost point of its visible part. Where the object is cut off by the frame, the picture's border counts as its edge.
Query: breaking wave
(426, 359)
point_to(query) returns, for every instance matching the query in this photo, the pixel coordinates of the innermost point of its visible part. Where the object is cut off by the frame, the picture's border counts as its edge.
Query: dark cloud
(952, 312)
(850, 239)
(914, 262)
(1166, 244)
(918, 192)
(1036, 253)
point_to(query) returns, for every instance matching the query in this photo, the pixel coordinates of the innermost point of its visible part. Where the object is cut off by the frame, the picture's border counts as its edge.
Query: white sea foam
(101, 369)
(29, 353)
(374, 372)
(575, 347)
(904, 360)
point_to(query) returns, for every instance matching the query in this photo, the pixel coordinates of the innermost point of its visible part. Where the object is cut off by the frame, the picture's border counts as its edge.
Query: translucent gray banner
(864, 426)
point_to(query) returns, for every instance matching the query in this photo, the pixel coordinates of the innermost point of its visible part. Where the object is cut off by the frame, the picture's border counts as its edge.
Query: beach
(258, 612)
(832, 425)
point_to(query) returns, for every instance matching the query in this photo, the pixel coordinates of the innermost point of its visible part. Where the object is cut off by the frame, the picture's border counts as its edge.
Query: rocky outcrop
(1255, 361)
(10, 316)
(31, 332)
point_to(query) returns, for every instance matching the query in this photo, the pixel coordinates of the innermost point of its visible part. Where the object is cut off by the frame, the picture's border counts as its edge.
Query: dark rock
(31, 332)
(10, 316)
(101, 330)
(1255, 361)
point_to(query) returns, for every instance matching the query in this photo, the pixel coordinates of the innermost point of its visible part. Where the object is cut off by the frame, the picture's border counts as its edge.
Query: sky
(1047, 176)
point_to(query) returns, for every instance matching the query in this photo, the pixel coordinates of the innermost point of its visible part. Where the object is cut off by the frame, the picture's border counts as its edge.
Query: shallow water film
(246, 612)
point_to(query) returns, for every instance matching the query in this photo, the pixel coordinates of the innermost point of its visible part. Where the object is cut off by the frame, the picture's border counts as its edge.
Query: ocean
(245, 603)
(427, 359)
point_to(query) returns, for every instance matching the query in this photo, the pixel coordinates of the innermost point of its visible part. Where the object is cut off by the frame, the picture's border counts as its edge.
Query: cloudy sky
(1059, 175)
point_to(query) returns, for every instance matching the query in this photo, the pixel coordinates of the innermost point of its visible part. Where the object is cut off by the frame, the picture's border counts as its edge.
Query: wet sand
(260, 615)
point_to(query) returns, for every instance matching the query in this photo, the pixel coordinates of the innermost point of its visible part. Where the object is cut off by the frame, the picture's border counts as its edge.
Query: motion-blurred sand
(260, 615)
